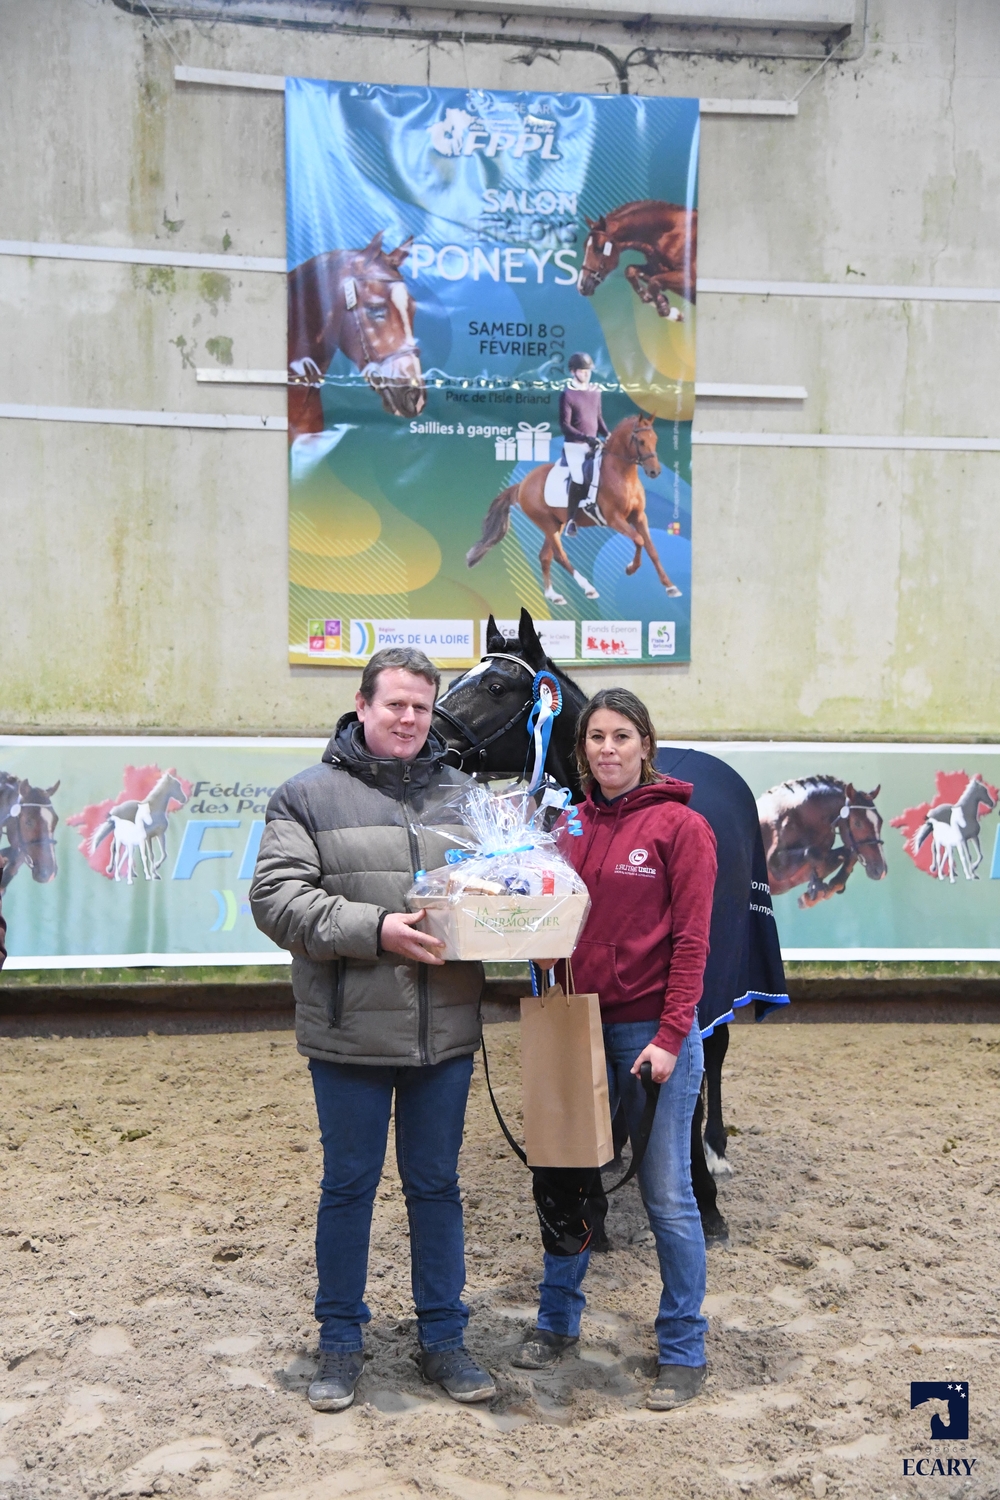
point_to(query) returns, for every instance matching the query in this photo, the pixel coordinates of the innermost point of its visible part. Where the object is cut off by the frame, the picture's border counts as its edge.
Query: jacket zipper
(337, 1008)
(423, 997)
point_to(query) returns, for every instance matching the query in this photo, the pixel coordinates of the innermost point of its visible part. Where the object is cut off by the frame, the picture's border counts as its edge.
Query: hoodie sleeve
(287, 898)
(691, 868)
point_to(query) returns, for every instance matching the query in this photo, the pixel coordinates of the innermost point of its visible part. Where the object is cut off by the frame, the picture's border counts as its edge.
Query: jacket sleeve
(288, 901)
(691, 868)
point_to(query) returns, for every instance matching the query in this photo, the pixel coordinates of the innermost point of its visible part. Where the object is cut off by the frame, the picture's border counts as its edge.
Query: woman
(648, 862)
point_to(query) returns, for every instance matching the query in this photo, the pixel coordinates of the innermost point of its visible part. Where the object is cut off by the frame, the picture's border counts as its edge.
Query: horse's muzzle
(652, 467)
(399, 381)
(588, 283)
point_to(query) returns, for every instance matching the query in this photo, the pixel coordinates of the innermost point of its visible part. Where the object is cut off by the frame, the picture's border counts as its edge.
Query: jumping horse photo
(483, 717)
(665, 233)
(30, 824)
(621, 502)
(355, 301)
(800, 822)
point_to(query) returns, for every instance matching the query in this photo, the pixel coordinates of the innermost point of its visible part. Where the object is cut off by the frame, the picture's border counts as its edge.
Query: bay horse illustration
(358, 302)
(956, 826)
(664, 233)
(621, 501)
(143, 825)
(800, 821)
(483, 717)
(30, 827)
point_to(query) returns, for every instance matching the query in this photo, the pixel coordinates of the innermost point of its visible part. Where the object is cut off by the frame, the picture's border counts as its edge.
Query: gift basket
(505, 893)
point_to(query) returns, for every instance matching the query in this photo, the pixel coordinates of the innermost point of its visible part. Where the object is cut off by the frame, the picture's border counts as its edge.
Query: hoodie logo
(636, 864)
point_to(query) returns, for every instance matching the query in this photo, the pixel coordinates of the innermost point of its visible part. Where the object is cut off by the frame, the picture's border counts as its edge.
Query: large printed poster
(491, 315)
(140, 851)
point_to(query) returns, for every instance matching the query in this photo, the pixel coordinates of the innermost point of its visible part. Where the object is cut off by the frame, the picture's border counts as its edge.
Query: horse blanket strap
(645, 1125)
(496, 1110)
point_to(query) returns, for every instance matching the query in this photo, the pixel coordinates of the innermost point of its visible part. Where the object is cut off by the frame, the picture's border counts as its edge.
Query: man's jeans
(665, 1184)
(354, 1104)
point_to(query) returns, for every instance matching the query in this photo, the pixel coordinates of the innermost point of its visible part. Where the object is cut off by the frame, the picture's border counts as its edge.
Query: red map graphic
(137, 783)
(948, 787)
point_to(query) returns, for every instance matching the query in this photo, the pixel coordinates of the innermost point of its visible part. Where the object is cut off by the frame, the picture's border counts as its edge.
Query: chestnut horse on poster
(30, 826)
(665, 233)
(621, 501)
(356, 301)
(800, 821)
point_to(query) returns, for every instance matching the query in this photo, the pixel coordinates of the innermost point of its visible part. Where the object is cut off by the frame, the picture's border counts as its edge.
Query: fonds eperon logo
(462, 134)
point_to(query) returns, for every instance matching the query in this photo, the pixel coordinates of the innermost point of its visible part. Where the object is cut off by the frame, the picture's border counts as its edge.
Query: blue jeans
(665, 1184)
(354, 1104)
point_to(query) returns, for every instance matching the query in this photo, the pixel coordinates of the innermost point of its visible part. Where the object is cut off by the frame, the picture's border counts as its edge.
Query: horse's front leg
(838, 867)
(633, 566)
(14, 860)
(703, 1185)
(971, 845)
(716, 1047)
(638, 278)
(642, 527)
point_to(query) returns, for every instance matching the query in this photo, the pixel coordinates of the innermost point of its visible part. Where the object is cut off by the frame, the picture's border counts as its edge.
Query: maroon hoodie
(648, 861)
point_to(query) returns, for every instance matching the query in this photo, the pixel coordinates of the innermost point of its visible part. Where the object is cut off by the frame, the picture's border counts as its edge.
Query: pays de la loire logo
(638, 856)
(462, 134)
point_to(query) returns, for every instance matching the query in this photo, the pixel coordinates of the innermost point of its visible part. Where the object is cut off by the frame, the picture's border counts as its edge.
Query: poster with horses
(491, 363)
(139, 851)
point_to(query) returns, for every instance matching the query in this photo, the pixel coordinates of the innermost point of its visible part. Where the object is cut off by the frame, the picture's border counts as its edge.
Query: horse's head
(177, 792)
(861, 830)
(979, 793)
(376, 331)
(600, 256)
(36, 824)
(643, 444)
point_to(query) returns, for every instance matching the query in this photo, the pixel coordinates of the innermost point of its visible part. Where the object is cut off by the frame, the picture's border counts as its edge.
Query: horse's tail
(495, 526)
(922, 834)
(96, 838)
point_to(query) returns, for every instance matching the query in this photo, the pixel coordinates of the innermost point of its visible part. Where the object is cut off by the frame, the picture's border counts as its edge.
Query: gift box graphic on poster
(449, 250)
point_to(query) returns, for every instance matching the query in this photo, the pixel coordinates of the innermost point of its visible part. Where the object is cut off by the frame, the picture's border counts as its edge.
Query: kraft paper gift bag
(564, 1080)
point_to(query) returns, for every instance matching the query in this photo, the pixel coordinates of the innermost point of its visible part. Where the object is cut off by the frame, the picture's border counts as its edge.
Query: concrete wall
(835, 593)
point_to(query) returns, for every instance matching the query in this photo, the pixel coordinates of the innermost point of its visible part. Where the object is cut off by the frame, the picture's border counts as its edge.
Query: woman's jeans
(665, 1184)
(354, 1105)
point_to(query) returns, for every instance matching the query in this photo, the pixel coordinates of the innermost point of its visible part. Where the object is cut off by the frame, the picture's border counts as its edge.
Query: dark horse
(483, 718)
(356, 301)
(621, 501)
(30, 825)
(665, 233)
(800, 821)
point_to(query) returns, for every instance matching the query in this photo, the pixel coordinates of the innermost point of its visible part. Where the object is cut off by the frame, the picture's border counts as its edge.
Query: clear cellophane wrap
(506, 893)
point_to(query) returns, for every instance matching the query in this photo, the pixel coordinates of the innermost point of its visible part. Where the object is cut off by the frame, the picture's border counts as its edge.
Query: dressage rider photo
(583, 425)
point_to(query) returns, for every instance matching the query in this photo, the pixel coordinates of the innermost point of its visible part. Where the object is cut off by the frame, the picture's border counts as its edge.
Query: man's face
(398, 719)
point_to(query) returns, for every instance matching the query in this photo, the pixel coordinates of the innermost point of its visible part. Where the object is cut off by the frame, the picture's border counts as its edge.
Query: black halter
(478, 746)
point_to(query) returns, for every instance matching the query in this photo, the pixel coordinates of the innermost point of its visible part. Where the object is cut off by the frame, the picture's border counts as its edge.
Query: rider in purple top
(582, 426)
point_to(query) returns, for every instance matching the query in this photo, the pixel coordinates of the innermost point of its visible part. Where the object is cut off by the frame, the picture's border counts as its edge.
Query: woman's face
(615, 751)
(583, 375)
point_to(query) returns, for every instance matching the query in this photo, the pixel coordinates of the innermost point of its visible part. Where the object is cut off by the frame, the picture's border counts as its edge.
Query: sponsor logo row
(453, 640)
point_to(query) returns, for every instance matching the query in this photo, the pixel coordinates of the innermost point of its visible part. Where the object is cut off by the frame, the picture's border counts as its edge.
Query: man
(377, 1012)
(582, 426)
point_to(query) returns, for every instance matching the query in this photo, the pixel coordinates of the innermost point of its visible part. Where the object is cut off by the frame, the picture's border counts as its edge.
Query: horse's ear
(50, 791)
(397, 256)
(23, 788)
(374, 248)
(495, 638)
(875, 793)
(590, 223)
(531, 646)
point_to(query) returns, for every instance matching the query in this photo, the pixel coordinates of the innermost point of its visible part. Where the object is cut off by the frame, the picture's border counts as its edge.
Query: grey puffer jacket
(338, 852)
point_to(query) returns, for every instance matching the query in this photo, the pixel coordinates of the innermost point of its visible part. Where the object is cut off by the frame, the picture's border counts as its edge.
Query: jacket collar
(347, 750)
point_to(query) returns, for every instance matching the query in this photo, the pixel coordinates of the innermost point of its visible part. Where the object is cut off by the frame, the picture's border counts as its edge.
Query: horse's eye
(377, 312)
(496, 688)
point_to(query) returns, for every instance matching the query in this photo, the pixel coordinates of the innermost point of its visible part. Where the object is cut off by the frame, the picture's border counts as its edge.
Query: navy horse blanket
(744, 964)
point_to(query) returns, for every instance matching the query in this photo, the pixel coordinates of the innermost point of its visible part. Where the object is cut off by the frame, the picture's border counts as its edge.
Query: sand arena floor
(156, 1217)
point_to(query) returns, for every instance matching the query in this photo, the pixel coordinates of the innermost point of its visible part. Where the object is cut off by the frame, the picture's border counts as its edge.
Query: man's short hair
(405, 657)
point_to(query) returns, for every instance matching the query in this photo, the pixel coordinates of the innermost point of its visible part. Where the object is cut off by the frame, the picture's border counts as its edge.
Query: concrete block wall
(836, 593)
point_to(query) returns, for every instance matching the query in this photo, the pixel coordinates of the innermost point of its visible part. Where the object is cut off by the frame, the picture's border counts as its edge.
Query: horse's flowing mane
(807, 785)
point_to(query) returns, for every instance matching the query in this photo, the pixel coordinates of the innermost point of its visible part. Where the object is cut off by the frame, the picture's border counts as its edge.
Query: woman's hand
(662, 1061)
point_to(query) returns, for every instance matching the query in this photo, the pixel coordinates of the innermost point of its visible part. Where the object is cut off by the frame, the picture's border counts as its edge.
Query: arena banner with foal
(491, 335)
(139, 851)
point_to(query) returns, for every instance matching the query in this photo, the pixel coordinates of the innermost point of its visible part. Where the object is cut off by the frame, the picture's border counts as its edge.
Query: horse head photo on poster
(357, 302)
(30, 825)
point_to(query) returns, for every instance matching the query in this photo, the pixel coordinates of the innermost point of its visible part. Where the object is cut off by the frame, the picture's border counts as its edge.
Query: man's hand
(399, 936)
(663, 1062)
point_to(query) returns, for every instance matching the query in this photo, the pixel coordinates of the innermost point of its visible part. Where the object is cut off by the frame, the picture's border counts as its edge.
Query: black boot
(577, 493)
